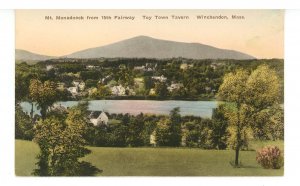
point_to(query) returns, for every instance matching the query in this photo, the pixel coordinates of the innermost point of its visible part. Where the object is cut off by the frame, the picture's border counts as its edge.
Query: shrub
(270, 157)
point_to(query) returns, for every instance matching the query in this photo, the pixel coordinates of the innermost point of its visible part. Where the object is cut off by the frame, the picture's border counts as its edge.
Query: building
(102, 119)
(118, 90)
(153, 139)
(174, 86)
(73, 90)
(78, 86)
(49, 67)
(152, 92)
(81, 86)
(91, 67)
(142, 68)
(61, 86)
(160, 78)
(185, 66)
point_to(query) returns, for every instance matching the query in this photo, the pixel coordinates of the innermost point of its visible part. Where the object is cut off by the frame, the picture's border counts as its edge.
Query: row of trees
(202, 78)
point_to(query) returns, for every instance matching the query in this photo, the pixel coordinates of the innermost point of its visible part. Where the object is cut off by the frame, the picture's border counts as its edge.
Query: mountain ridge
(148, 47)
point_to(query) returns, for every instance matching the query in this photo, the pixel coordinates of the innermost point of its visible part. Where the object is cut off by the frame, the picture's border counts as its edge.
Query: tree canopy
(248, 94)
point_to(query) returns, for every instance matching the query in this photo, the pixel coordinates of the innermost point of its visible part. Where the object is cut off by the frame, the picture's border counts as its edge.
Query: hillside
(147, 47)
(23, 55)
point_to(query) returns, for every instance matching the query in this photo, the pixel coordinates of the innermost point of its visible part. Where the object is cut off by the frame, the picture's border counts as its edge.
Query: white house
(73, 90)
(185, 66)
(118, 90)
(160, 78)
(102, 119)
(91, 67)
(140, 68)
(152, 91)
(61, 86)
(153, 139)
(81, 86)
(174, 86)
(49, 67)
(75, 83)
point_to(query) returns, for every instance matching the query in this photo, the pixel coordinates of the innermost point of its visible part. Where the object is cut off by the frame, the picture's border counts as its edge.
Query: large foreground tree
(248, 94)
(61, 141)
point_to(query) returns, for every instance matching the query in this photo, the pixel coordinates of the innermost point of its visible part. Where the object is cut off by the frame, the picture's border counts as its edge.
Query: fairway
(156, 161)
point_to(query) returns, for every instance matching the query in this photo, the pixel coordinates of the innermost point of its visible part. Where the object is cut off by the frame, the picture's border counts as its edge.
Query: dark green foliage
(175, 127)
(161, 89)
(90, 75)
(148, 82)
(61, 144)
(91, 83)
(149, 127)
(135, 129)
(23, 124)
(162, 132)
(219, 128)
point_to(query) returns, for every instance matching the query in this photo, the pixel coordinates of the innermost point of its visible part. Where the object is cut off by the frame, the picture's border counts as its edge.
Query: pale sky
(260, 34)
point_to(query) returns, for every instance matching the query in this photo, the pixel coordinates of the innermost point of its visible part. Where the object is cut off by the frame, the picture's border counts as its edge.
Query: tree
(161, 89)
(44, 94)
(162, 132)
(219, 128)
(175, 127)
(101, 92)
(263, 94)
(23, 125)
(247, 95)
(135, 129)
(276, 124)
(61, 143)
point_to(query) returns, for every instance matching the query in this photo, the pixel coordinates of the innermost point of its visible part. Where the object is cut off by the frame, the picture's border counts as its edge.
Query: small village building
(152, 92)
(91, 67)
(81, 86)
(102, 119)
(160, 78)
(49, 67)
(142, 68)
(185, 66)
(174, 86)
(73, 90)
(61, 86)
(153, 139)
(118, 90)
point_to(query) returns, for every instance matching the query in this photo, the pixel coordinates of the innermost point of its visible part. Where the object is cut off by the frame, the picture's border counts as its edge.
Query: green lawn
(157, 161)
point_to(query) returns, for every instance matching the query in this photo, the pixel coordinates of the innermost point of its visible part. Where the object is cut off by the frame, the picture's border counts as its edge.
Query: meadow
(157, 161)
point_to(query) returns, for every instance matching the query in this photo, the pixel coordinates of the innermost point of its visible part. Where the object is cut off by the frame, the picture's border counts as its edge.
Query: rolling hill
(146, 47)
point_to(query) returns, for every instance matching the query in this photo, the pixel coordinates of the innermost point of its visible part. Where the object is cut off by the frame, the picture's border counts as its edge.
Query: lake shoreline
(152, 98)
(135, 107)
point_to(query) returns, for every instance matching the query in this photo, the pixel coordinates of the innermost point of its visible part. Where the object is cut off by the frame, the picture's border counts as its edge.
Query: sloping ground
(156, 161)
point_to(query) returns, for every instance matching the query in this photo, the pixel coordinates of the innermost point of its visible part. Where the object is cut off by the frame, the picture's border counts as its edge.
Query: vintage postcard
(149, 93)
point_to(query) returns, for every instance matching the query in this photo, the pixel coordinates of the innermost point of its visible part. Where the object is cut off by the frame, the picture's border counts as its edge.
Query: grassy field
(157, 161)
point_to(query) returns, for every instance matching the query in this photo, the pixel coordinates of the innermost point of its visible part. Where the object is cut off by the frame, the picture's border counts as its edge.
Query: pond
(196, 108)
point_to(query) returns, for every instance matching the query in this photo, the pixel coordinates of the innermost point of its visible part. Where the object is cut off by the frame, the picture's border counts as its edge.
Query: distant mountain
(147, 47)
(29, 56)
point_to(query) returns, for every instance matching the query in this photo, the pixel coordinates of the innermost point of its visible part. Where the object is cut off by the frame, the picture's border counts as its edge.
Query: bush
(270, 157)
